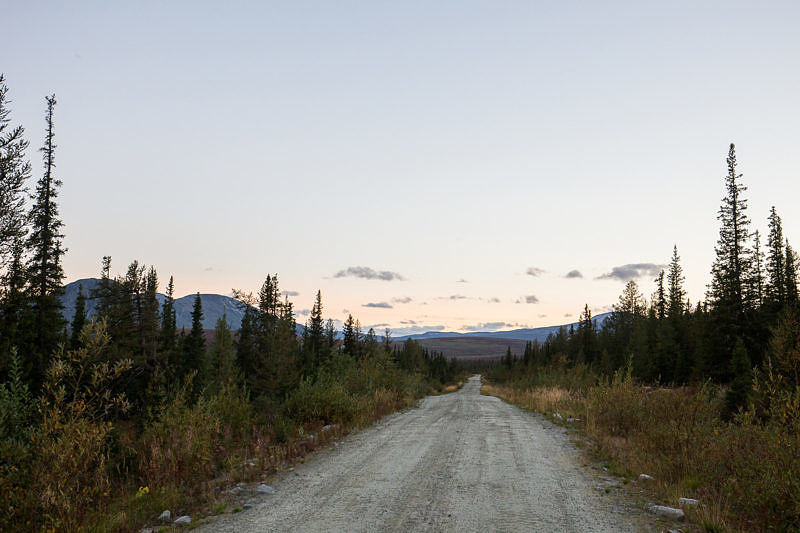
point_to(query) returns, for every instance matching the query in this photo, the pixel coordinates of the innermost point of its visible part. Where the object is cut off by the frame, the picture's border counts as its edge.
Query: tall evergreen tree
(733, 257)
(222, 367)
(660, 297)
(169, 326)
(776, 262)
(45, 273)
(314, 337)
(675, 291)
(194, 345)
(349, 338)
(790, 276)
(78, 320)
(148, 317)
(14, 172)
(755, 282)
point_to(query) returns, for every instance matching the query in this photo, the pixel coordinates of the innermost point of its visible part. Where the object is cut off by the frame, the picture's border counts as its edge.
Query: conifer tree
(169, 327)
(660, 297)
(330, 334)
(776, 263)
(314, 338)
(45, 273)
(223, 371)
(742, 383)
(755, 282)
(78, 320)
(349, 338)
(675, 279)
(790, 276)
(732, 263)
(194, 345)
(14, 172)
(148, 318)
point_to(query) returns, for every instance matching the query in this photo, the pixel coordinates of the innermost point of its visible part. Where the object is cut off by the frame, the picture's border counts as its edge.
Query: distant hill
(527, 334)
(214, 305)
(467, 348)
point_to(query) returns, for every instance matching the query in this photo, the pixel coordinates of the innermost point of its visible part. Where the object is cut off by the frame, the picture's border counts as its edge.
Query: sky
(426, 165)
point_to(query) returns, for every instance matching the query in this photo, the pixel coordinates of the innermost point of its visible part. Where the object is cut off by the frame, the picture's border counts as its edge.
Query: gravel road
(458, 462)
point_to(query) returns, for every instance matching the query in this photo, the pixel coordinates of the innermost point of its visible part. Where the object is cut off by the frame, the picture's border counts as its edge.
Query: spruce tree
(755, 282)
(776, 262)
(169, 327)
(314, 337)
(675, 291)
(732, 263)
(78, 320)
(790, 276)
(349, 338)
(148, 317)
(14, 172)
(194, 345)
(660, 297)
(222, 367)
(742, 383)
(45, 273)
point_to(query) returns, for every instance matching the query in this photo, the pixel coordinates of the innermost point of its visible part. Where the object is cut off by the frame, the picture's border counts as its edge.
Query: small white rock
(558, 416)
(265, 489)
(645, 477)
(165, 516)
(185, 520)
(688, 502)
(667, 512)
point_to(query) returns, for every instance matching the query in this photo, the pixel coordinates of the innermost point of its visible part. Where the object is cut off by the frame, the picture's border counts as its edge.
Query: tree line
(748, 318)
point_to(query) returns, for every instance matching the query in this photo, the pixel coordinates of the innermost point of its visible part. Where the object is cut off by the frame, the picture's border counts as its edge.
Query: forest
(704, 396)
(106, 422)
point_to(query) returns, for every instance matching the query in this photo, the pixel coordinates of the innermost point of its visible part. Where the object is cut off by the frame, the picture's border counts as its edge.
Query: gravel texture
(458, 462)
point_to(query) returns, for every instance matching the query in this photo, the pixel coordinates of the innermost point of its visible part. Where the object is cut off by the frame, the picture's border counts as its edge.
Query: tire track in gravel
(458, 462)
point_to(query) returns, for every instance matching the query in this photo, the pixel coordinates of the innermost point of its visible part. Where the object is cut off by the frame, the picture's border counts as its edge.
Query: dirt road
(458, 462)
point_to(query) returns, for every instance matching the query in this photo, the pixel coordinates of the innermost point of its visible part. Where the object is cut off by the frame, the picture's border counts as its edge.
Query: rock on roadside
(184, 520)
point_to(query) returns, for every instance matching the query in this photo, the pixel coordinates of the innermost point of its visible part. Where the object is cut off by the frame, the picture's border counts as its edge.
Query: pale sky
(456, 144)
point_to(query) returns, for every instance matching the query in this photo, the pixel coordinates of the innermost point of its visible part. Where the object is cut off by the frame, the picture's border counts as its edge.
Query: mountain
(527, 334)
(214, 305)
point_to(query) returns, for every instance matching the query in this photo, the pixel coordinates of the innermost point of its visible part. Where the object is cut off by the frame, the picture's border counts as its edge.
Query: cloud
(567, 315)
(492, 300)
(368, 273)
(208, 269)
(543, 315)
(492, 326)
(304, 312)
(453, 297)
(290, 293)
(409, 322)
(413, 330)
(373, 326)
(573, 274)
(403, 300)
(631, 271)
(535, 272)
(462, 280)
(530, 299)
(379, 305)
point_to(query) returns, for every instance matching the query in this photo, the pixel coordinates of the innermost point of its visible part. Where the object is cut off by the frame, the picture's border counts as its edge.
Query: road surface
(458, 462)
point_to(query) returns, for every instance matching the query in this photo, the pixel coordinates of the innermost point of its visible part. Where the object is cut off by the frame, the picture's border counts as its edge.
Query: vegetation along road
(458, 462)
